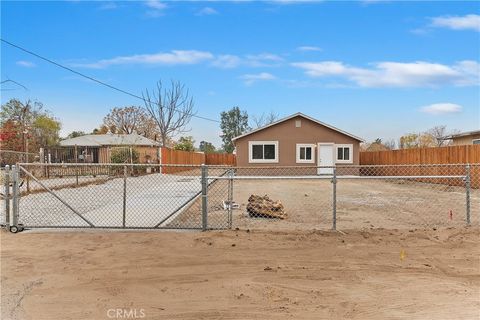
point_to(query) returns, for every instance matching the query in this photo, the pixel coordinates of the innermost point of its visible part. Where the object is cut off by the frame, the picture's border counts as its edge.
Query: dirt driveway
(377, 274)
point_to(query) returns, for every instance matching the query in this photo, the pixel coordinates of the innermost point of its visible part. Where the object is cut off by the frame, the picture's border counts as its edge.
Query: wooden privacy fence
(170, 156)
(220, 159)
(442, 157)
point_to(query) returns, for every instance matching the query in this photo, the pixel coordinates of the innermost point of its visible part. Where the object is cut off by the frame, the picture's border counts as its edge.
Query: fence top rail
(329, 177)
(346, 166)
(65, 164)
(30, 164)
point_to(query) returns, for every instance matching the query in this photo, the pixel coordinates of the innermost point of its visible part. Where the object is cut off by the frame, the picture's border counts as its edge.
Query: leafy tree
(409, 141)
(123, 155)
(102, 130)
(129, 120)
(185, 144)
(206, 147)
(75, 134)
(47, 130)
(233, 123)
(31, 126)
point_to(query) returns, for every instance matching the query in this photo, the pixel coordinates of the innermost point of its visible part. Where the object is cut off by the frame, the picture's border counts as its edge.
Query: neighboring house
(471, 137)
(298, 140)
(97, 148)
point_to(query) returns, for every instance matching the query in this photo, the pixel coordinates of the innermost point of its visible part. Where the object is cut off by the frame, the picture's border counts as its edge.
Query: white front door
(325, 158)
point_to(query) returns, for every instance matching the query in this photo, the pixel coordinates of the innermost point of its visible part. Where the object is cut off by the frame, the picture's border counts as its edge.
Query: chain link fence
(222, 197)
(356, 197)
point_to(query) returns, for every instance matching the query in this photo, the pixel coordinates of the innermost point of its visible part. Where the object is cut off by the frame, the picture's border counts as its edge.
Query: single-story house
(97, 148)
(470, 137)
(298, 140)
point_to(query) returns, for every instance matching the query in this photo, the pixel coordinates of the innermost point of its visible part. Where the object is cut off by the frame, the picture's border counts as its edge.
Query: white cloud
(227, 61)
(467, 22)
(26, 64)
(309, 48)
(110, 5)
(250, 79)
(441, 108)
(262, 60)
(155, 4)
(207, 11)
(397, 74)
(174, 57)
(156, 8)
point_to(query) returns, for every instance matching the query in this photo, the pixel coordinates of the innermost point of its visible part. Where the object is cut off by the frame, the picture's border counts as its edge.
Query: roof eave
(304, 116)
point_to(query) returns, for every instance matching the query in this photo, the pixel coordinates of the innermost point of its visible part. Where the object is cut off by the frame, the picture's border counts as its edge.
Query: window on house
(263, 151)
(298, 123)
(476, 141)
(305, 153)
(344, 153)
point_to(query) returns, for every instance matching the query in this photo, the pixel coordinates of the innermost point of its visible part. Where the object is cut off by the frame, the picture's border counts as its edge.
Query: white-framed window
(305, 153)
(263, 151)
(476, 141)
(344, 153)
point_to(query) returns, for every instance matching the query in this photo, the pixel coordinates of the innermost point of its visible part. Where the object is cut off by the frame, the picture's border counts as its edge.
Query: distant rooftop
(98, 140)
(463, 134)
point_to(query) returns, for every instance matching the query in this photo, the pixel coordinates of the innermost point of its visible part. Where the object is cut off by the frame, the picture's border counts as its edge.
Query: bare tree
(438, 133)
(390, 144)
(264, 119)
(171, 108)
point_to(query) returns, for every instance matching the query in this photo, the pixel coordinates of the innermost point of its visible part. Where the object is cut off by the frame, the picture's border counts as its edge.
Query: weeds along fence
(222, 197)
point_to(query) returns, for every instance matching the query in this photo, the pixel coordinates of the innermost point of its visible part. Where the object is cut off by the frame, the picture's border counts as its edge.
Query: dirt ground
(370, 274)
(360, 204)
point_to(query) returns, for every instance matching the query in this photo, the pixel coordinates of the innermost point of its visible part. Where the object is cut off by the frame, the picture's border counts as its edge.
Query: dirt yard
(360, 204)
(376, 274)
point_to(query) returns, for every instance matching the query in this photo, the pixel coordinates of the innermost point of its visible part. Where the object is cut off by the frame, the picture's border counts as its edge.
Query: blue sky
(372, 68)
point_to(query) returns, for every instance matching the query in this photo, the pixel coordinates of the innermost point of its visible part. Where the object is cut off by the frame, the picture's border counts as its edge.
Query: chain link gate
(118, 197)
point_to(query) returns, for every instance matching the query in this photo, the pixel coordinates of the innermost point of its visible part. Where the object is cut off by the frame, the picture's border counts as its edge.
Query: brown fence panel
(220, 159)
(170, 156)
(442, 155)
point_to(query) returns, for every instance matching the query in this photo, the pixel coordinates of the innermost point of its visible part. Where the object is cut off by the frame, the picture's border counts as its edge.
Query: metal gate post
(334, 200)
(204, 197)
(7, 196)
(15, 196)
(467, 191)
(230, 198)
(124, 216)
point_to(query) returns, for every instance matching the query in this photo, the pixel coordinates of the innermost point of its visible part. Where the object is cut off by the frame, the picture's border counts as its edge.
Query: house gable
(298, 117)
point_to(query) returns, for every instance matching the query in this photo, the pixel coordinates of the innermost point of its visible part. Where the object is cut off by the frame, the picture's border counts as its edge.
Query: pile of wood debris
(264, 207)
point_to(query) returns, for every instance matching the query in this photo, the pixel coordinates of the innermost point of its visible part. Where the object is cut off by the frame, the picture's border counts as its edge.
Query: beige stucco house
(297, 140)
(471, 137)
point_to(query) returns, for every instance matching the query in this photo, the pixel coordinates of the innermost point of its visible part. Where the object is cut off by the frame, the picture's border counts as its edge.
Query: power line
(14, 82)
(98, 81)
